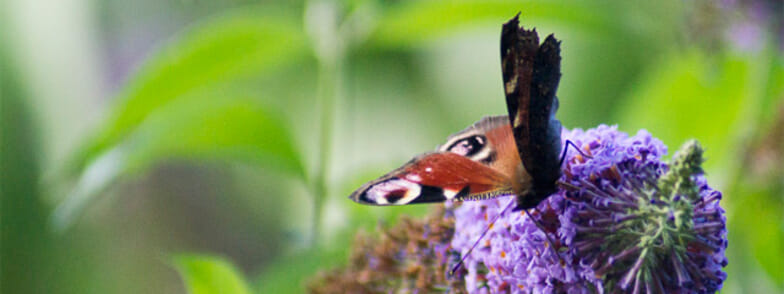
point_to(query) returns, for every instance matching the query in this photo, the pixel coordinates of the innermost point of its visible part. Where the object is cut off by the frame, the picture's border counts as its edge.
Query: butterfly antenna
(541, 227)
(490, 226)
(563, 154)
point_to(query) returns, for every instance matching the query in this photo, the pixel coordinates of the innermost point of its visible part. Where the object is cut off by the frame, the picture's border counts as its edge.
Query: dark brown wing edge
(531, 74)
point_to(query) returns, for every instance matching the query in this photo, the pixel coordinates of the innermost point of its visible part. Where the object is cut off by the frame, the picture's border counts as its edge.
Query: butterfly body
(515, 154)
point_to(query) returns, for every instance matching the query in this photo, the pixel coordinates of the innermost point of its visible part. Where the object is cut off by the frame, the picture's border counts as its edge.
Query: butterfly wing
(475, 163)
(531, 73)
(434, 177)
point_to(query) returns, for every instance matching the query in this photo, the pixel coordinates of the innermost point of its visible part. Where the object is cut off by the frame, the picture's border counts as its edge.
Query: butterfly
(515, 154)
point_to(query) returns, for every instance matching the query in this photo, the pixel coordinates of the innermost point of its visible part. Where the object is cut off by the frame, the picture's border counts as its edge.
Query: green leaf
(185, 103)
(758, 223)
(216, 52)
(22, 211)
(201, 127)
(756, 226)
(209, 275)
(289, 274)
(691, 95)
(417, 21)
(209, 126)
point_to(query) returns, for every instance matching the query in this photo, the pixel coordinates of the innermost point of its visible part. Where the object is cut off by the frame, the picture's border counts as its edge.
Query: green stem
(330, 54)
(329, 79)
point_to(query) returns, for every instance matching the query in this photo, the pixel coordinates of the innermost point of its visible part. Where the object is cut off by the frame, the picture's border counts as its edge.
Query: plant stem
(329, 79)
(330, 54)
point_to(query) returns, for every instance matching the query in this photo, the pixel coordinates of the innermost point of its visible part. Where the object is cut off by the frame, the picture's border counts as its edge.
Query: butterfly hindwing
(434, 177)
(531, 73)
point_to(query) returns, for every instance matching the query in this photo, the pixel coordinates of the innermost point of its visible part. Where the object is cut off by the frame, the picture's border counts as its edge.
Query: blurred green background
(208, 146)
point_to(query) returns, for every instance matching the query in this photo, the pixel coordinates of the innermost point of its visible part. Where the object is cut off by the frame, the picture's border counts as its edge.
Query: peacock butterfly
(515, 154)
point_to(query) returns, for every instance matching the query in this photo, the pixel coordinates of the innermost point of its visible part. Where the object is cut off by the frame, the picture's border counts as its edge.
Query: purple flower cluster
(624, 221)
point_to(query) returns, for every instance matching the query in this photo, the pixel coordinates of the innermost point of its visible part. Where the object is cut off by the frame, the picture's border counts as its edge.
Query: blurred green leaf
(210, 275)
(417, 21)
(710, 95)
(205, 127)
(758, 222)
(215, 52)
(774, 93)
(183, 103)
(26, 244)
(210, 126)
(289, 274)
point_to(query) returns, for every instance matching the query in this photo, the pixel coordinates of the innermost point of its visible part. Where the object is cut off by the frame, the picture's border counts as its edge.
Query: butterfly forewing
(476, 163)
(434, 177)
(499, 152)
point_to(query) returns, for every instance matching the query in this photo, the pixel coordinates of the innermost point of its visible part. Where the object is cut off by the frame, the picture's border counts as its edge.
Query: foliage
(204, 275)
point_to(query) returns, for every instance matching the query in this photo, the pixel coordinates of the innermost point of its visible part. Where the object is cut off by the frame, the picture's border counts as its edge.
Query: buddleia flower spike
(624, 222)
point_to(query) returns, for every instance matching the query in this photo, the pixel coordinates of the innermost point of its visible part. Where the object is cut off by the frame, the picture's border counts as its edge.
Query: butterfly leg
(490, 226)
(560, 163)
(563, 154)
(541, 227)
